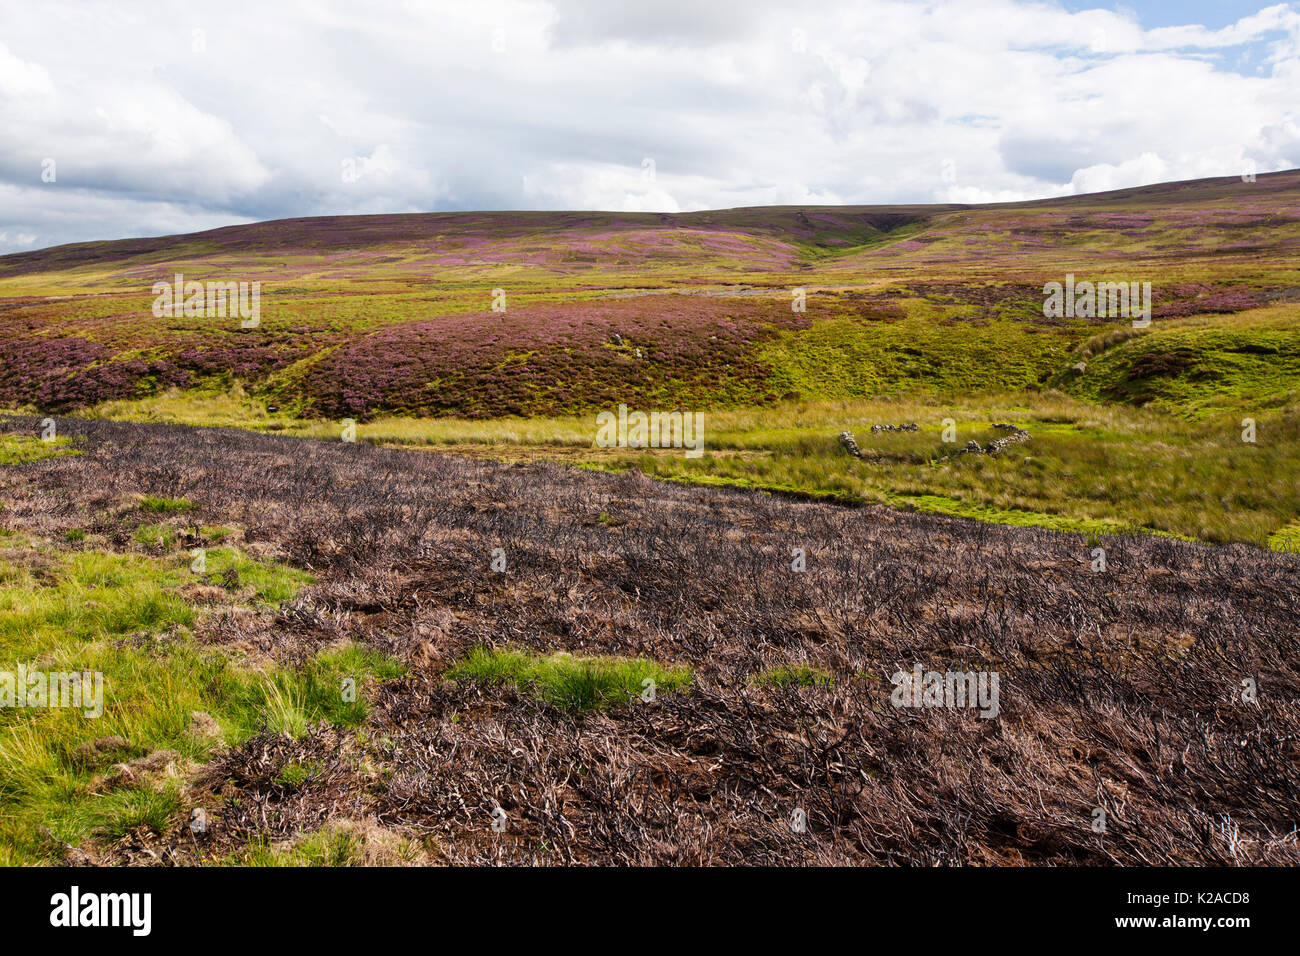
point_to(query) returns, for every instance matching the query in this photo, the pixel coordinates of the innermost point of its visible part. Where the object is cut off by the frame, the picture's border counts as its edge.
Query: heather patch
(535, 359)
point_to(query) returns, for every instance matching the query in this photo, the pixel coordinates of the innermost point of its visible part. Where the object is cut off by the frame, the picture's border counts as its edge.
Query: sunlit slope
(535, 313)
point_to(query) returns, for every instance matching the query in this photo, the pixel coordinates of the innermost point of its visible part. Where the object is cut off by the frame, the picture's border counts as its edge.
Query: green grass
(291, 701)
(1086, 468)
(155, 536)
(1095, 468)
(229, 407)
(126, 616)
(858, 358)
(164, 505)
(115, 814)
(1246, 364)
(1285, 539)
(326, 847)
(295, 774)
(568, 682)
(337, 844)
(798, 675)
(21, 449)
(272, 584)
(1147, 438)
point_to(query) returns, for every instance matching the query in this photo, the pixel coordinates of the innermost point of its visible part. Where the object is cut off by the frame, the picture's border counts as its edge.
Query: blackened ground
(1119, 691)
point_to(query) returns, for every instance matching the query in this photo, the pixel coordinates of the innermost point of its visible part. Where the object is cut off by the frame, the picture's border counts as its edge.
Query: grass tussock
(22, 449)
(569, 682)
(128, 618)
(795, 675)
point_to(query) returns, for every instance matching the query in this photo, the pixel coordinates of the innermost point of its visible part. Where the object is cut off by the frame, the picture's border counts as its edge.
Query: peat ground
(1120, 691)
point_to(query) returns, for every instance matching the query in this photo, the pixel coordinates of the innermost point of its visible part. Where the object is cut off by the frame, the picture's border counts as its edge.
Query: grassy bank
(72, 777)
(1089, 467)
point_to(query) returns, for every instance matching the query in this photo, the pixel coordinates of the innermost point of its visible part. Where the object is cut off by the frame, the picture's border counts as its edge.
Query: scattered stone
(850, 444)
(616, 339)
(997, 445)
(1080, 367)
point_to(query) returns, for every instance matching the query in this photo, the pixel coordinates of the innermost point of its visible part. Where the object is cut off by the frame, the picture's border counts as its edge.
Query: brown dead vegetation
(1120, 691)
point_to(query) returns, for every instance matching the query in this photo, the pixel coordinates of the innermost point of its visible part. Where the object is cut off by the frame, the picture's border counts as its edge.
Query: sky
(139, 118)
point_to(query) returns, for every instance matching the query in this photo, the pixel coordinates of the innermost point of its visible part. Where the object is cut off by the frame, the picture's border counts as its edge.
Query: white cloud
(555, 104)
(17, 240)
(625, 188)
(974, 195)
(1280, 17)
(1140, 171)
